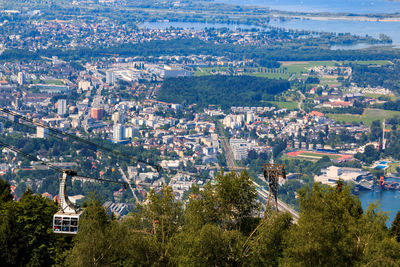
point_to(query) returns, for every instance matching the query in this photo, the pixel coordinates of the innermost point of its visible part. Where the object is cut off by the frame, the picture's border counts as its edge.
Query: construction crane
(66, 220)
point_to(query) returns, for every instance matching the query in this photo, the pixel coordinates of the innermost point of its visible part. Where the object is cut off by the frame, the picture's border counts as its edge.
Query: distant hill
(224, 91)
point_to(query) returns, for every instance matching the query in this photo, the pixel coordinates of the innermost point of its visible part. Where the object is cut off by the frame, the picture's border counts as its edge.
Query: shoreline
(337, 18)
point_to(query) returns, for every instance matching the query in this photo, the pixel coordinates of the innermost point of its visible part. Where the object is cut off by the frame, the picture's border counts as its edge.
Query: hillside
(218, 226)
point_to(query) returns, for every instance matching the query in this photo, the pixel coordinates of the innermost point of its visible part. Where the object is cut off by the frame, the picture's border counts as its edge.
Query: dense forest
(391, 105)
(222, 225)
(186, 47)
(386, 76)
(225, 91)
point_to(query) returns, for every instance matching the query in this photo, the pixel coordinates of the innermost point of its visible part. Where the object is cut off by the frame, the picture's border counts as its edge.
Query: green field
(329, 81)
(55, 82)
(367, 118)
(287, 68)
(287, 105)
(302, 66)
(377, 96)
(250, 71)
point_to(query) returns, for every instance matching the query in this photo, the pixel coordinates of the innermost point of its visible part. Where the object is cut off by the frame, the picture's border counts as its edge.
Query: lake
(389, 201)
(362, 28)
(372, 28)
(337, 6)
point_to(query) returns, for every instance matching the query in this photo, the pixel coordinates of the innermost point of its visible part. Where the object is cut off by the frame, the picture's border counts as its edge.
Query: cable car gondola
(65, 221)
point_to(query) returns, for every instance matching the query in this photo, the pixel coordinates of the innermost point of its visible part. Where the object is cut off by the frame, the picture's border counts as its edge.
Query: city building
(21, 78)
(61, 106)
(42, 132)
(332, 174)
(117, 117)
(131, 132)
(84, 85)
(110, 77)
(240, 148)
(118, 132)
(250, 117)
(97, 113)
(170, 71)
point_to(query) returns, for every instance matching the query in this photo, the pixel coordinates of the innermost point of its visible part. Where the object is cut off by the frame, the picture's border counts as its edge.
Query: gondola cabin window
(65, 223)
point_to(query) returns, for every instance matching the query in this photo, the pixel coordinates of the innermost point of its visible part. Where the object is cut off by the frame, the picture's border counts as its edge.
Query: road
(301, 101)
(230, 161)
(97, 98)
(126, 180)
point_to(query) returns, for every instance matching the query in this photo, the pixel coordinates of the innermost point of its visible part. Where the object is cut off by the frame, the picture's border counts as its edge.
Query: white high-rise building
(42, 132)
(118, 132)
(21, 78)
(250, 117)
(118, 117)
(240, 148)
(110, 77)
(131, 131)
(61, 106)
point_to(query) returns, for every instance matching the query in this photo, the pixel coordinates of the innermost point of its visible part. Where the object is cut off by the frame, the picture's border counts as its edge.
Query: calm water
(389, 201)
(336, 6)
(362, 28)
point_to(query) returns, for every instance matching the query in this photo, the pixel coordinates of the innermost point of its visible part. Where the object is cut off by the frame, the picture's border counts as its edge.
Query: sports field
(366, 118)
(317, 155)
